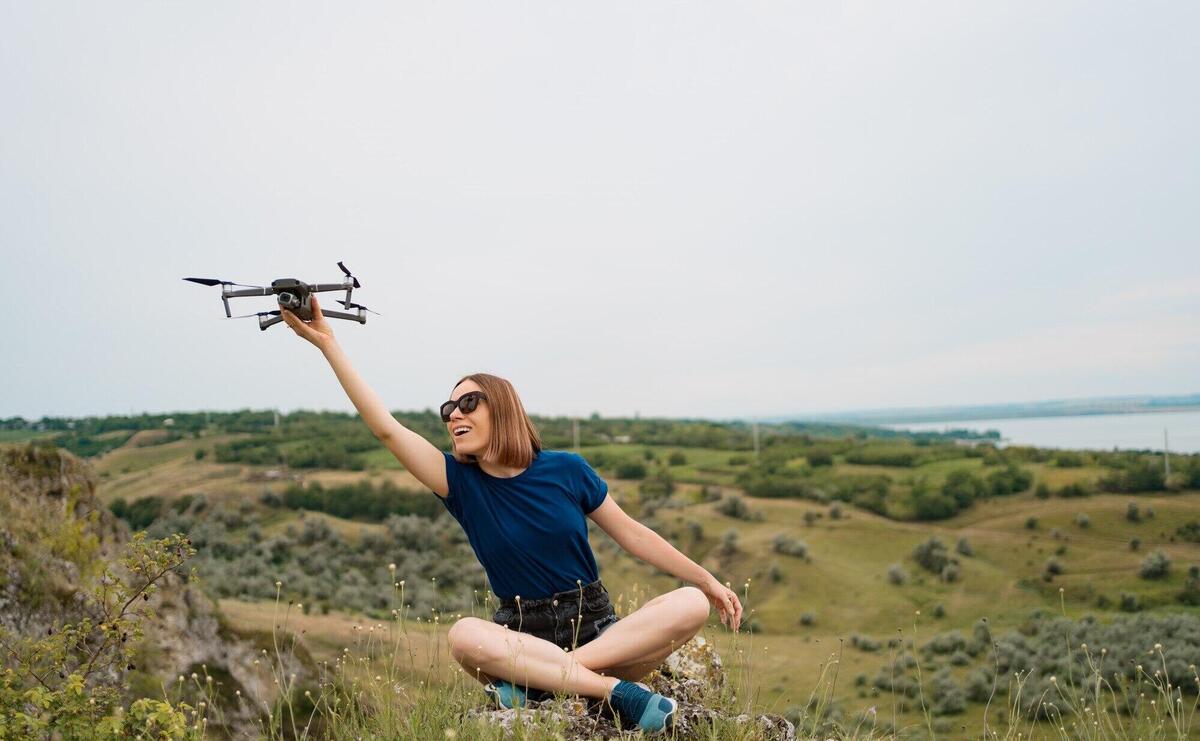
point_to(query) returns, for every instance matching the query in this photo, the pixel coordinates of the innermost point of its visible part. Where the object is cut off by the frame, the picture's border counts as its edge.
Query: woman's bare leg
(487, 650)
(639, 642)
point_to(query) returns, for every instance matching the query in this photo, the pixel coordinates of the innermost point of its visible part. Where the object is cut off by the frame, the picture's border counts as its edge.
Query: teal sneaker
(651, 712)
(505, 694)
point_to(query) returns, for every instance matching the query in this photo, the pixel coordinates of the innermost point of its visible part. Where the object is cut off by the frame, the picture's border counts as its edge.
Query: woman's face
(470, 432)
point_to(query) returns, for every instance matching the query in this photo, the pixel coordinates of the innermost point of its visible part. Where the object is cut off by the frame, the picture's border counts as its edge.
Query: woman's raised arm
(422, 459)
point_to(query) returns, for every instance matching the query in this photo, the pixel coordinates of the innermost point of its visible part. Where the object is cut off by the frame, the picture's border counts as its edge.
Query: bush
(964, 487)
(1031, 523)
(1132, 513)
(729, 542)
(819, 458)
(677, 458)
(1011, 479)
(1042, 491)
(948, 697)
(734, 506)
(1076, 490)
(1189, 531)
(789, 546)
(932, 555)
(630, 470)
(963, 547)
(1135, 543)
(1083, 521)
(1156, 566)
(658, 486)
(896, 574)
(950, 572)
(808, 619)
(1130, 602)
(1052, 569)
(835, 512)
(1136, 476)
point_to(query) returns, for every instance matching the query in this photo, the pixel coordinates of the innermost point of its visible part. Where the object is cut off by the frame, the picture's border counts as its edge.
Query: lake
(1092, 432)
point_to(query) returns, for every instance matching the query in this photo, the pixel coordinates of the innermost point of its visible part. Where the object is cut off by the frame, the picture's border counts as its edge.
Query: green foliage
(67, 683)
(963, 547)
(140, 514)
(819, 458)
(1189, 531)
(1082, 520)
(1138, 475)
(734, 506)
(677, 458)
(1156, 565)
(883, 455)
(630, 469)
(932, 555)
(789, 546)
(659, 485)
(964, 487)
(896, 574)
(1132, 513)
(1075, 490)
(361, 500)
(1011, 479)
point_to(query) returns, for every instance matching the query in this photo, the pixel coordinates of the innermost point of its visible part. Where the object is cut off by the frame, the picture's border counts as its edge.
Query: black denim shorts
(562, 619)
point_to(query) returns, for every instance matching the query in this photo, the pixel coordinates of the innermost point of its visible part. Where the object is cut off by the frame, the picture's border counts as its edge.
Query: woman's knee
(693, 609)
(469, 639)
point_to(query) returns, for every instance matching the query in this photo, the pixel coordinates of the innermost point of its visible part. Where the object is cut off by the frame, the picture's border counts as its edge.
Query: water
(1089, 432)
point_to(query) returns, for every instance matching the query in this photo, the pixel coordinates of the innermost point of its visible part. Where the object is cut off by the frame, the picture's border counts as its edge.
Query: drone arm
(264, 322)
(248, 292)
(361, 318)
(326, 287)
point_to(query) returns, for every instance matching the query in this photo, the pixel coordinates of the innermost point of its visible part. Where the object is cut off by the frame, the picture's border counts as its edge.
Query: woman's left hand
(725, 600)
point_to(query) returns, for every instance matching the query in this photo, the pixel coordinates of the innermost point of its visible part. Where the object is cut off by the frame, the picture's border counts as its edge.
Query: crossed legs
(634, 646)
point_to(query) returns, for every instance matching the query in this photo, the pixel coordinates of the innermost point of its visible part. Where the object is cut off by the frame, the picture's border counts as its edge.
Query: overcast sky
(679, 209)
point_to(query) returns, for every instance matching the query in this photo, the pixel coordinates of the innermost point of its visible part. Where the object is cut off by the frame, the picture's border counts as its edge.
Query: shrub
(1156, 565)
(1135, 543)
(1130, 602)
(948, 697)
(933, 505)
(658, 486)
(819, 458)
(775, 574)
(630, 470)
(896, 574)
(729, 542)
(1136, 476)
(734, 506)
(932, 555)
(835, 512)
(1052, 569)
(964, 487)
(710, 493)
(1012, 479)
(677, 458)
(1076, 490)
(1031, 523)
(695, 529)
(1189, 531)
(810, 517)
(1042, 491)
(1132, 514)
(808, 619)
(1083, 521)
(963, 547)
(789, 546)
(1068, 459)
(738, 460)
(950, 572)
(939, 610)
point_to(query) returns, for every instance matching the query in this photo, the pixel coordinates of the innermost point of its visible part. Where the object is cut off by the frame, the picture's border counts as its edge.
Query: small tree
(1156, 565)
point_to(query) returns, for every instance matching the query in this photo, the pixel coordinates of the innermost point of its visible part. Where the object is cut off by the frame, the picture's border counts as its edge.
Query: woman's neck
(500, 472)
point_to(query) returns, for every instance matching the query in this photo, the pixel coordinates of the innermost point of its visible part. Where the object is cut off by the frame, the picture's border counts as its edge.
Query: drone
(294, 295)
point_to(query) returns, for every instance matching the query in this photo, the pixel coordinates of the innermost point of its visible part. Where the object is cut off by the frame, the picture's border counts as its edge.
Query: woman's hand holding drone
(317, 331)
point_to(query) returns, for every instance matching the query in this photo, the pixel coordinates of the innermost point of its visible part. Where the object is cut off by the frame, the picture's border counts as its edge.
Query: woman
(523, 510)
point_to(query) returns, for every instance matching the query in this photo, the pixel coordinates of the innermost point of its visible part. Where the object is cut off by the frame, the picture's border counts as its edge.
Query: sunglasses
(465, 403)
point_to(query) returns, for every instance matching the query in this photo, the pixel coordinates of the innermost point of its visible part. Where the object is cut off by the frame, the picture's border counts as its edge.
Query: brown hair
(514, 440)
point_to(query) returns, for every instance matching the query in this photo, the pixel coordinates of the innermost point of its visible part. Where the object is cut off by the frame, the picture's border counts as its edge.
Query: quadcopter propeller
(261, 313)
(348, 275)
(218, 282)
(350, 305)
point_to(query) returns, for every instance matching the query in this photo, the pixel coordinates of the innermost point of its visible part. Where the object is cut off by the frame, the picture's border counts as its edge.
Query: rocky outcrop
(693, 675)
(55, 539)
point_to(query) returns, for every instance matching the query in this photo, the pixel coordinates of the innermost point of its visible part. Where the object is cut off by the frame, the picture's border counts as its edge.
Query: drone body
(293, 295)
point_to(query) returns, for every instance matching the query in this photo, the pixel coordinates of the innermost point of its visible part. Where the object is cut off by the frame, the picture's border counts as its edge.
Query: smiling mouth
(460, 431)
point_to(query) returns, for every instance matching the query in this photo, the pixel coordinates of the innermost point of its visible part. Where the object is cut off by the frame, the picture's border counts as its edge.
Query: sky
(667, 209)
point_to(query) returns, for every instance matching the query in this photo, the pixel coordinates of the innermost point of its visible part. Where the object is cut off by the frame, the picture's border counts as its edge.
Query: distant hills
(1055, 408)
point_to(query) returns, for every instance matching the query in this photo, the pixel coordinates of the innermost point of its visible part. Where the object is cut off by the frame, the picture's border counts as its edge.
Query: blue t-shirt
(529, 531)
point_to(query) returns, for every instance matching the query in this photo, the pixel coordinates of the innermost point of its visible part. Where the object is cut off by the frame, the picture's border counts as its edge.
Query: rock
(690, 676)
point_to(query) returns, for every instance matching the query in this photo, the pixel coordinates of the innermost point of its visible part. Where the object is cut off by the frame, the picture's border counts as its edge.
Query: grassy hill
(1027, 535)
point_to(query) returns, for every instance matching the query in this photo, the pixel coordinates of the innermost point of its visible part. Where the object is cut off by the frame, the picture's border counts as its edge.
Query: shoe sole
(668, 719)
